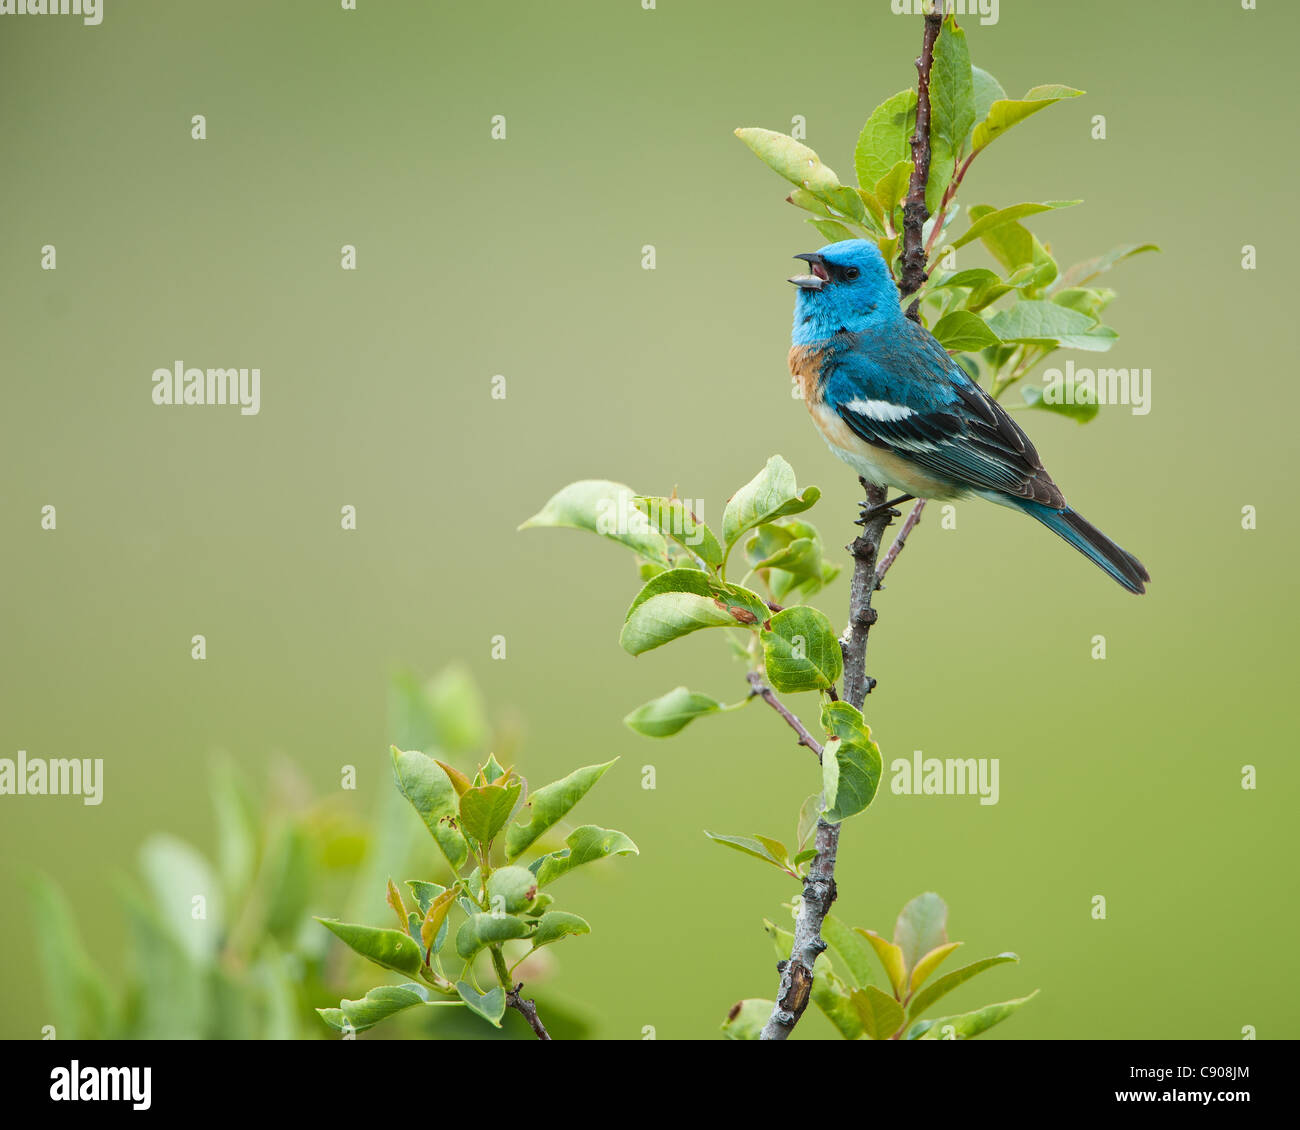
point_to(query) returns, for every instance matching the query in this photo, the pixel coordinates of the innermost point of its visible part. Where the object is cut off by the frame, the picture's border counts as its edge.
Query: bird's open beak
(815, 281)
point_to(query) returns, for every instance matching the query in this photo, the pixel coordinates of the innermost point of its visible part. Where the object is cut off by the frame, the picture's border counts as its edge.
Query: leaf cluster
(484, 826)
(764, 617)
(845, 989)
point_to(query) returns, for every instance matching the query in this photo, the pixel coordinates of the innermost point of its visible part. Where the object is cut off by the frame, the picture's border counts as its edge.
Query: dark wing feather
(954, 430)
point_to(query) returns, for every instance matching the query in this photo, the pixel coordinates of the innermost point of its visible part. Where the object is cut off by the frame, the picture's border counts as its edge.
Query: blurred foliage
(217, 948)
(224, 948)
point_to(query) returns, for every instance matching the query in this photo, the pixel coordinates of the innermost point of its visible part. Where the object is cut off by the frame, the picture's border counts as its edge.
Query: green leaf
(490, 1005)
(891, 189)
(891, 957)
(668, 617)
(490, 772)
(949, 981)
(744, 606)
(603, 508)
(851, 948)
(800, 556)
(746, 1019)
(172, 1001)
(968, 1024)
(424, 893)
(802, 198)
(429, 790)
(1038, 321)
(539, 906)
(550, 804)
(976, 278)
(81, 1005)
(883, 142)
(485, 810)
(395, 901)
(782, 940)
(921, 927)
(986, 90)
(831, 230)
(801, 651)
(788, 554)
(459, 781)
(1007, 112)
(1072, 399)
(557, 924)
(433, 928)
(456, 708)
(952, 94)
(666, 715)
(831, 995)
(770, 494)
(176, 873)
(237, 828)
(760, 847)
(288, 872)
(585, 845)
(393, 949)
(964, 332)
(672, 519)
(479, 931)
(792, 160)
(929, 963)
(378, 1004)
(881, 1015)
(1015, 247)
(1089, 301)
(995, 219)
(1089, 269)
(851, 763)
(809, 813)
(512, 889)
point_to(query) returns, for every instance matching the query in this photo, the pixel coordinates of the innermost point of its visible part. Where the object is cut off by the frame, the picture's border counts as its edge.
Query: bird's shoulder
(900, 362)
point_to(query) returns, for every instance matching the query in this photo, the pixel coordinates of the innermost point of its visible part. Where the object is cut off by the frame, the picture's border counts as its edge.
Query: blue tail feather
(1092, 543)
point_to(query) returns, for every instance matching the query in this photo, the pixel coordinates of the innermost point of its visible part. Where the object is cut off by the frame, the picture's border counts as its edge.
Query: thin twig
(913, 520)
(763, 691)
(528, 1010)
(819, 889)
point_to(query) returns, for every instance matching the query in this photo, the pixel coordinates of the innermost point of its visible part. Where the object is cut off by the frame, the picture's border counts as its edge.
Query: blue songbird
(902, 413)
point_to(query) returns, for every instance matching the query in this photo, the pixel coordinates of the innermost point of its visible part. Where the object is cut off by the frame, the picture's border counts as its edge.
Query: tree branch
(819, 885)
(528, 1010)
(914, 211)
(763, 691)
(913, 520)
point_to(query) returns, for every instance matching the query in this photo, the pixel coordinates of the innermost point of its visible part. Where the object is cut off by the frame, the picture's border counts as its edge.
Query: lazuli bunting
(897, 409)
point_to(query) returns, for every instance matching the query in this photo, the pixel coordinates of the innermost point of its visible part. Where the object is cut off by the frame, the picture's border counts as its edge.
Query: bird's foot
(871, 513)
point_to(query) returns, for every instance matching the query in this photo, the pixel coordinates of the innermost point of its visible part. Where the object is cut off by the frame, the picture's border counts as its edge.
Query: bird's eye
(852, 273)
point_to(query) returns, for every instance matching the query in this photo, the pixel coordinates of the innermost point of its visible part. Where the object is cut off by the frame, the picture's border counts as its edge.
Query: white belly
(884, 469)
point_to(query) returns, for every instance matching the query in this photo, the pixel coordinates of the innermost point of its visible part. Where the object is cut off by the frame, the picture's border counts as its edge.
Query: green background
(523, 258)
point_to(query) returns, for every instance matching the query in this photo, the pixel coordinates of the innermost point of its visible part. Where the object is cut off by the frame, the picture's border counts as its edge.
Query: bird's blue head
(849, 288)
